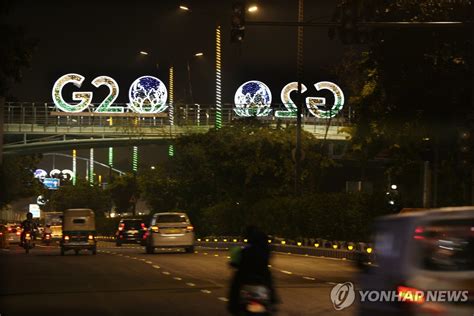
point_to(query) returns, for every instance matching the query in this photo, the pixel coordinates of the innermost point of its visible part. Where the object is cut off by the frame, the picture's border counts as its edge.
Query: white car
(14, 232)
(170, 230)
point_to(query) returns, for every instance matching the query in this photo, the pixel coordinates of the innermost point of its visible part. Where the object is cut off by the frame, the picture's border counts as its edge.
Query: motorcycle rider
(252, 268)
(28, 225)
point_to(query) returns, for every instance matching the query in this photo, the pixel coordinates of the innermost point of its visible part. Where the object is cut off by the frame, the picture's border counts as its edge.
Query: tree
(124, 192)
(16, 178)
(15, 51)
(82, 195)
(411, 87)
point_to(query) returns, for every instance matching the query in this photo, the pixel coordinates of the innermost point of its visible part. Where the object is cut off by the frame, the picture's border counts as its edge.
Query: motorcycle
(47, 238)
(28, 242)
(255, 300)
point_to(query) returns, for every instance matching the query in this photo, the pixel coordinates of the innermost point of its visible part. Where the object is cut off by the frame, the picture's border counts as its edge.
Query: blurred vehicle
(422, 251)
(130, 231)
(54, 220)
(171, 229)
(78, 231)
(13, 233)
(28, 243)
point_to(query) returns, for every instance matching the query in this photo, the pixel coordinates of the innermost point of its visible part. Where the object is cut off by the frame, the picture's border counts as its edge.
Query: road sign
(51, 183)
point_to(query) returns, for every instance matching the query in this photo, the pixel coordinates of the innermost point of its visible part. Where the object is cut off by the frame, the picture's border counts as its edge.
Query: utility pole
(2, 106)
(299, 105)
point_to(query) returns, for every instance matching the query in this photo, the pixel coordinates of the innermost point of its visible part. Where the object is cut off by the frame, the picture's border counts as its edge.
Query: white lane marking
(216, 255)
(6, 249)
(205, 253)
(309, 256)
(134, 258)
(166, 272)
(206, 291)
(142, 259)
(331, 283)
(286, 272)
(127, 256)
(149, 262)
(190, 284)
(224, 299)
(309, 278)
(177, 278)
(156, 267)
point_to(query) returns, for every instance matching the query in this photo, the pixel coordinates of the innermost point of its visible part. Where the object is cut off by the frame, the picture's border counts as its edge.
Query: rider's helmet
(29, 216)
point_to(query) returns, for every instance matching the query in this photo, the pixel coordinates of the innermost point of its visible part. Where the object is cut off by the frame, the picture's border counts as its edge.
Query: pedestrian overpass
(38, 127)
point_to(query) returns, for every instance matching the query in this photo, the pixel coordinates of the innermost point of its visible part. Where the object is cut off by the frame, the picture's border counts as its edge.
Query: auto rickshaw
(78, 231)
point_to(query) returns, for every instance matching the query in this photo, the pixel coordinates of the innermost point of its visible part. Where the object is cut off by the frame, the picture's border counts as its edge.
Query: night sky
(95, 38)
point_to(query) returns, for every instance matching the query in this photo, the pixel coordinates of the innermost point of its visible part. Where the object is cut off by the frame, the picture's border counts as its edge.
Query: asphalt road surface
(126, 281)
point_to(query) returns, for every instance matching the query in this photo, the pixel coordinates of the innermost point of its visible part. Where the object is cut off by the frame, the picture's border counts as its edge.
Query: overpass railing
(28, 114)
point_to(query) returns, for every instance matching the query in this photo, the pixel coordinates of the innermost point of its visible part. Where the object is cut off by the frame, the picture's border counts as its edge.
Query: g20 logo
(254, 98)
(147, 94)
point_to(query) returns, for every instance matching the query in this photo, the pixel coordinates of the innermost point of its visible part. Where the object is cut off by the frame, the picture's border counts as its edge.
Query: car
(424, 252)
(14, 233)
(170, 230)
(130, 231)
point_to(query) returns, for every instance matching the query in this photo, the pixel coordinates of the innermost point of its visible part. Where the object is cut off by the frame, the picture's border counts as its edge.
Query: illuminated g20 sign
(254, 98)
(147, 94)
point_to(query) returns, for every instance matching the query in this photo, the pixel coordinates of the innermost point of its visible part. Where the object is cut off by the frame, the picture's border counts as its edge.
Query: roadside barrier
(344, 251)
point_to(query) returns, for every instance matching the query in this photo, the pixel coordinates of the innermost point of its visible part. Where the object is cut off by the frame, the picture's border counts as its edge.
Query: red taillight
(189, 228)
(145, 235)
(410, 295)
(121, 226)
(9, 229)
(419, 233)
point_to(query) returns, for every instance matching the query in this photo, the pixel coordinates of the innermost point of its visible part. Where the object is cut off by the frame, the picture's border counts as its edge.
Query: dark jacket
(252, 269)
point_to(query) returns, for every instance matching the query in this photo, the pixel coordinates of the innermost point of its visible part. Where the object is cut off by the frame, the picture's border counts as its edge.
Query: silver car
(170, 230)
(13, 233)
(421, 256)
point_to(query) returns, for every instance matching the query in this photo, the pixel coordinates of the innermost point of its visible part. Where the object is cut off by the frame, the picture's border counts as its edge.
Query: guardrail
(352, 251)
(348, 251)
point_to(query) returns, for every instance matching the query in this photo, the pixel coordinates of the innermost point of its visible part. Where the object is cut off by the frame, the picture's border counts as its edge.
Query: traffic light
(465, 147)
(237, 31)
(350, 16)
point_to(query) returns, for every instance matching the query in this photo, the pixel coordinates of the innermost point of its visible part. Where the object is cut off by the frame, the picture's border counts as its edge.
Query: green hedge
(333, 216)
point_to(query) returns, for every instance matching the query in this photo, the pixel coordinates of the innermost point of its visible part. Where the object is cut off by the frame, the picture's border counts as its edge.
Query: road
(126, 281)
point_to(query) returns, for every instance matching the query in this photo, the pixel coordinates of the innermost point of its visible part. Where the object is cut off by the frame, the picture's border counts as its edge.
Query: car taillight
(419, 231)
(189, 228)
(143, 226)
(90, 237)
(66, 237)
(145, 235)
(121, 226)
(9, 229)
(410, 295)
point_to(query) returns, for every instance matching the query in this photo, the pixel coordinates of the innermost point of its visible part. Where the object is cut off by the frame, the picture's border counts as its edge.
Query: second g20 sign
(148, 94)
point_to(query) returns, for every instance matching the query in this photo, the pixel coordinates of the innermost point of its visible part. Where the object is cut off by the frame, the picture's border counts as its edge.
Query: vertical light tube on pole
(91, 166)
(171, 109)
(111, 157)
(218, 123)
(135, 159)
(74, 166)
